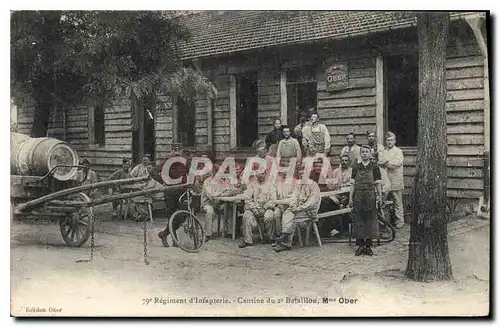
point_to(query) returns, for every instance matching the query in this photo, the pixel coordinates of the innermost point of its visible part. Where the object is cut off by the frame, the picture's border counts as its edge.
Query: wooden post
(174, 120)
(140, 132)
(380, 101)
(283, 102)
(209, 123)
(91, 125)
(232, 112)
(64, 118)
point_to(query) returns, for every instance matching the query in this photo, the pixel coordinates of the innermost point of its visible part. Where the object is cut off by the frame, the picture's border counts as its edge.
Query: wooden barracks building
(360, 69)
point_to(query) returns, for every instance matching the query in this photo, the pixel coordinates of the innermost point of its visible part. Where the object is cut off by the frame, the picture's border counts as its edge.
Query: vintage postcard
(245, 163)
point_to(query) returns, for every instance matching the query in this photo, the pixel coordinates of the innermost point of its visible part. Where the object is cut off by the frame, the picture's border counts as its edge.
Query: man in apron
(289, 147)
(316, 137)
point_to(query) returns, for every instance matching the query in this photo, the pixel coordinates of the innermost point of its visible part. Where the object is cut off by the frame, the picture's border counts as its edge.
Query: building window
(302, 93)
(99, 137)
(186, 122)
(402, 97)
(247, 130)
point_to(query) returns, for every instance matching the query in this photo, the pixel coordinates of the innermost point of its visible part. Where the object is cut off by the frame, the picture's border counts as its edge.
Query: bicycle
(194, 238)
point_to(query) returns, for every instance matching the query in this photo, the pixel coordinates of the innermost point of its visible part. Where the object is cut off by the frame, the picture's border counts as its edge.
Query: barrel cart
(41, 166)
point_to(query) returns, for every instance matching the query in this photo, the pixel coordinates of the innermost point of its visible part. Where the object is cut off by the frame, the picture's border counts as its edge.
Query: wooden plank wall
(201, 127)
(268, 100)
(349, 110)
(465, 119)
(25, 119)
(56, 127)
(221, 112)
(77, 127)
(118, 137)
(163, 128)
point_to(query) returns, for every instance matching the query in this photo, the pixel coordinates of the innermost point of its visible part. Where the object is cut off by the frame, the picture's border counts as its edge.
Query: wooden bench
(339, 212)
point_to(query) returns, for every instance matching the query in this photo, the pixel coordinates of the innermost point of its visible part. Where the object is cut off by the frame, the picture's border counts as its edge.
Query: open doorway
(143, 131)
(302, 93)
(401, 71)
(246, 113)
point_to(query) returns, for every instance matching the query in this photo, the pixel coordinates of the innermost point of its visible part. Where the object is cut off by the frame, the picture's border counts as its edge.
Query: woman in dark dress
(363, 199)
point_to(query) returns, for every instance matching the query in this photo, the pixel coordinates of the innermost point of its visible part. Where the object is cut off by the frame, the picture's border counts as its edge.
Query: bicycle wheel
(387, 232)
(187, 231)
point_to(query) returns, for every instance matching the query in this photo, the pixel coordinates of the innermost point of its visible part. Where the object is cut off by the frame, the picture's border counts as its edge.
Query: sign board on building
(337, 76)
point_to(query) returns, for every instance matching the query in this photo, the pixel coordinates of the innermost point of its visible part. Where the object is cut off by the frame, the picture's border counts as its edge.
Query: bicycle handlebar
(189, 191)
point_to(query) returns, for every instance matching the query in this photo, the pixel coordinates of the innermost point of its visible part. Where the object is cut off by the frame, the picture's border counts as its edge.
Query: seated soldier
(326, 183)
(141, 169)
(91, 177)
(211, 189)
(342, 178)
(284, 188)
(122, 173)
(305, 202)
(259, 208)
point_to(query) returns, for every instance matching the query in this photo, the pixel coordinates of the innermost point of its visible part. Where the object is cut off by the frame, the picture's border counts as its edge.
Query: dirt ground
(226, 281)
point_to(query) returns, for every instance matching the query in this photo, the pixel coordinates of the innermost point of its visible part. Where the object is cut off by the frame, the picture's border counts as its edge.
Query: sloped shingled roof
(224, 32)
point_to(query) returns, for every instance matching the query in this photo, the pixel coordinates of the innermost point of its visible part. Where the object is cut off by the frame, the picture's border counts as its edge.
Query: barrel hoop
(30, 156)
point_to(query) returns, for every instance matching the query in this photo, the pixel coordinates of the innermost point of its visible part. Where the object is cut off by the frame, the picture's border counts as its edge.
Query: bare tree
(428, 257)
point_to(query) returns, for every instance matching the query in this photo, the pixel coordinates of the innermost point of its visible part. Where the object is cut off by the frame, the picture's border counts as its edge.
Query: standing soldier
(374, 145)
(392, 160)
(262, 154)
(273, 138)
(297, 131)
(351, 149)
(316, 136)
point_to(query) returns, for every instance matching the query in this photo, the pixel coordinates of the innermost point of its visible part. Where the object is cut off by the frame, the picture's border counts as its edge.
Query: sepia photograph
(250, 163)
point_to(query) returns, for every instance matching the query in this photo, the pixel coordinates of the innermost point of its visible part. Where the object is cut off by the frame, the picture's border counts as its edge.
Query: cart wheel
(76, 227)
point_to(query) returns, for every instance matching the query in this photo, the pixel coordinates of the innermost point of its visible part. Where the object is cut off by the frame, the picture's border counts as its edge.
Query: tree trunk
(428, 257)
(51, 32)
(42, 115)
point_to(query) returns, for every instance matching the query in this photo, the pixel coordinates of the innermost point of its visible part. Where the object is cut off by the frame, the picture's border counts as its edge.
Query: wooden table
(231, 200)
(234, 200)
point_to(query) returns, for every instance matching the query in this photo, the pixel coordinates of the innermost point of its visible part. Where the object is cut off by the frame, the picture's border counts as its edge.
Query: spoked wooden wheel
(76, 227)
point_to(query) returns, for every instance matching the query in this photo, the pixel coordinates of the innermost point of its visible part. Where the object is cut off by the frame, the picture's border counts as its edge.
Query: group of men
(312, 139)
(262, 207)
(87, 176)
(309, 142)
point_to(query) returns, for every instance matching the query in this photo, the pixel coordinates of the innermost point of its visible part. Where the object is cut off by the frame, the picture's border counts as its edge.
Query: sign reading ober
(337, 76)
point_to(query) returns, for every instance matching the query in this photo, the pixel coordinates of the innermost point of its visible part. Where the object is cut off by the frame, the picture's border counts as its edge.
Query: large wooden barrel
(16, 139)
(37, 156)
